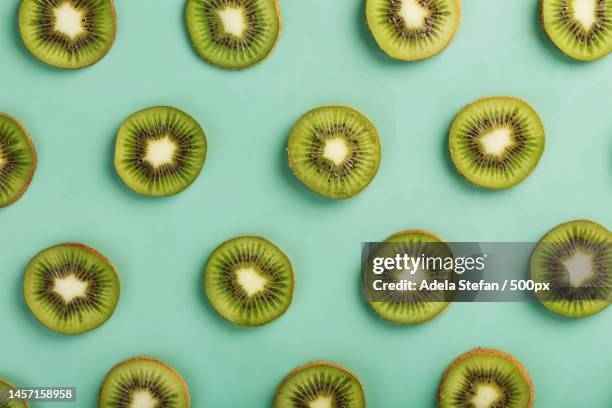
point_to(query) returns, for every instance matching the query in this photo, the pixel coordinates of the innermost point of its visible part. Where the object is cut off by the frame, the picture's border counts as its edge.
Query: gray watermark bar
(40, 394)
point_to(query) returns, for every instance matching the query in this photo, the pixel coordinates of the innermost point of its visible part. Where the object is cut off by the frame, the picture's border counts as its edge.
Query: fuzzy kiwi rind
(580, 308)
(57, 62)
(34, 160)
(15, 403)
(479, 351)
(84, 328)
(202, 54)
(411, 321)
(171, 370)
(412, 58)
(321, 363)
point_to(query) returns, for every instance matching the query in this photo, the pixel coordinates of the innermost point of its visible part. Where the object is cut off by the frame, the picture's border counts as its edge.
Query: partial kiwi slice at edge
(160, 151)
(320, 384)
(5, 400)
(575, 259)
(249, 281)
(233, 34)
(486, 378)
(335, 151)
(68, 34)
(71, 288)
(17, 160)
(143, 382)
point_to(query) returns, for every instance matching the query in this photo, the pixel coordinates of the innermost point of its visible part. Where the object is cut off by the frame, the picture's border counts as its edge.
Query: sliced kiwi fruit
(233, 34)
(160, 151)
(17, 160)
(68, 34)
(249, 281)
(410, 306)
(486, 378)
(496, 142)
(575, 260)
(143, 382)
(71, 288)
(320, 385)
(582, 29)
(412, 30)
(335, 151)
(5, 398)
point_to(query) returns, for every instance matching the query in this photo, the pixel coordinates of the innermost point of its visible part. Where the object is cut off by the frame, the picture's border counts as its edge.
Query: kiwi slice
(320, 385)
(249, 281)
(496, 142)
(411, 306)
(486, 378)
(233, 34)
(68, 34)
(71, 288)
(412, 30)
(575, 259)
(17, 160)
(160, 151)
(143, 382)
(335, 151)
(5, 400)
(582, 29)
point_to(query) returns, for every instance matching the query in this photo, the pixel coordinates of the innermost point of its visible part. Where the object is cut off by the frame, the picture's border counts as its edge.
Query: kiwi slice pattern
(143, 382)
(320, 384)
(233, 34)
(71, 288)
(412, 30)
(575, 259)
(160, 151)
(335, 151)
(17, 160)
(411, 306)
(486, 378)
(496, 142)
(68, 34)
(581, 29)
(5, 401)
(249, 281)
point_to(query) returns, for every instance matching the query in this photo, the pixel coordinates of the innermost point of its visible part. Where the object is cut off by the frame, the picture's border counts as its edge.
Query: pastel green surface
(161, 245)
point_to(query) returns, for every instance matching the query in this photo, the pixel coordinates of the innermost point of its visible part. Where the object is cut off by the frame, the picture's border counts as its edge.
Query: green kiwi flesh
(233, 34)
(143, 382)
(335, 151)
(5, 401)
(496, 142)
(160, 151)
(581, 29)
(416, 306)
(17, 160)
(486, 378)
(71, 288)
(575, 258)
(68, 34)
(249, 281)
(320, 384)
(412, 30)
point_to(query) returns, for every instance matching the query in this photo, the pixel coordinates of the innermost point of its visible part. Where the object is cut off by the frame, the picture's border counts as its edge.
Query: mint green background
(325, 55)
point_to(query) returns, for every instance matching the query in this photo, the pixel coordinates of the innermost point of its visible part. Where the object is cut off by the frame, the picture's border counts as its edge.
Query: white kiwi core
(579, 268)
(496, 141)
(70, 288)
(250, 280)
(2, 159)
(233, 20)
(68, 20)
(413, 14)
(160, 152)
(321, 402)
(336, 150)
(143, 399)
(585, 12)
(486, 396)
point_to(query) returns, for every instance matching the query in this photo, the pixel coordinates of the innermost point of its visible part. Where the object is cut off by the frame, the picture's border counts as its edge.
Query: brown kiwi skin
(317, 364)
(112, 4)
(450, 40)
(489, 352)
(9, 384)
(34, 165)
(99, 255)
(485, 99)
(142, 358)
(280, 28)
